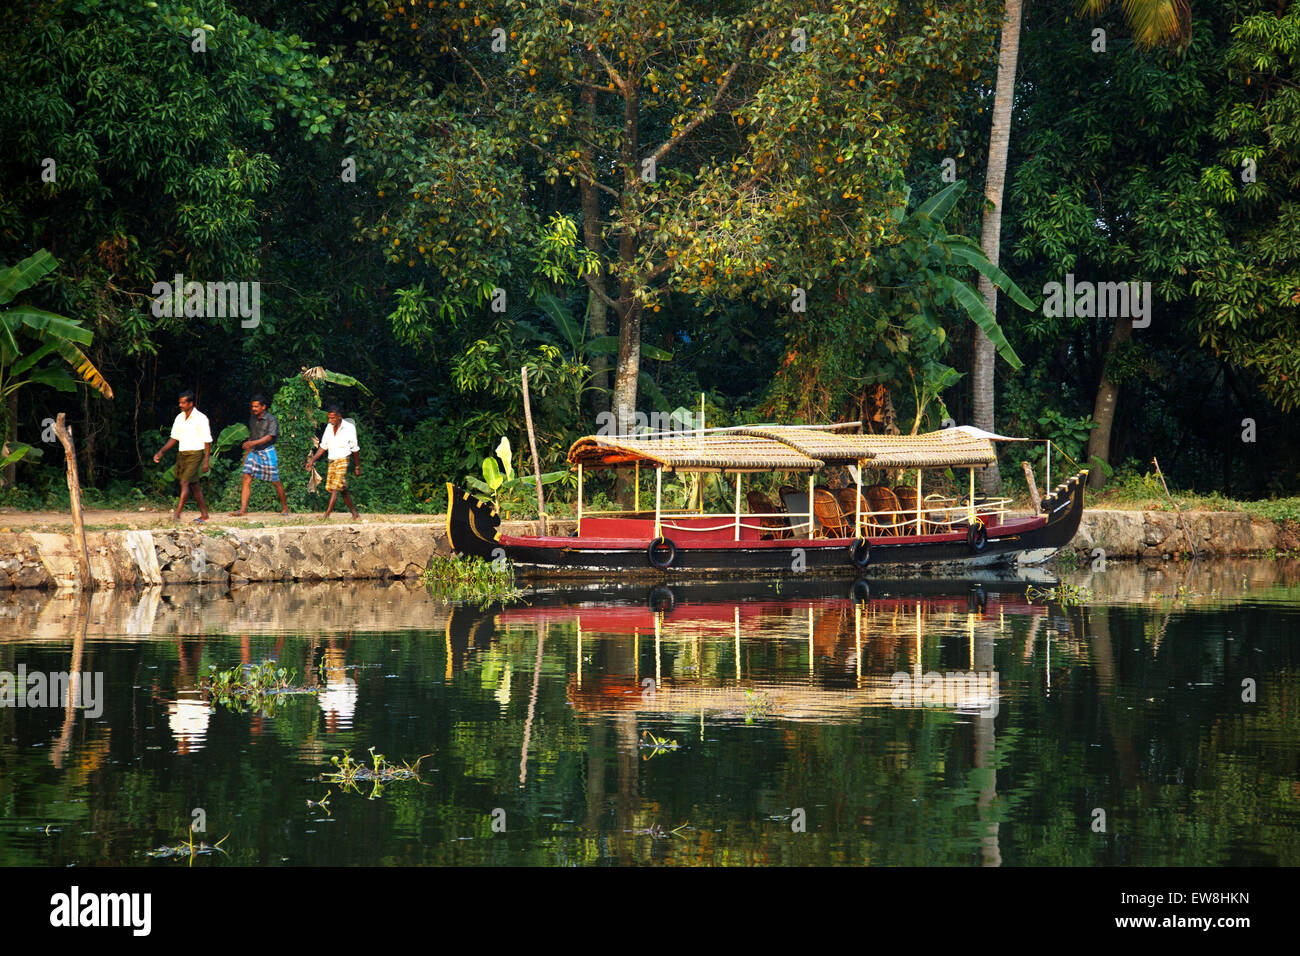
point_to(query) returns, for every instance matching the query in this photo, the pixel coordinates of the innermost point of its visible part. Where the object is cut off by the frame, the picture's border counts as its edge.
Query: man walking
(194, 436)
(340, 440)
(260, 460)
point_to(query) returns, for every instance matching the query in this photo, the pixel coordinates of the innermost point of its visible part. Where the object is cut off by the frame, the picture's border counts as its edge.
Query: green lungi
(189, 466)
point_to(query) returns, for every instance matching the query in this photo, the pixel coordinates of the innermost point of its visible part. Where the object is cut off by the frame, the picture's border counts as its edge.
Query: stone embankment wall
(233, 556)
(1157, 534)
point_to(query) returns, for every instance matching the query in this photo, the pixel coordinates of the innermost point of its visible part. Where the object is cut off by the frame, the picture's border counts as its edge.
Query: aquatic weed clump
(188, 850)
(350, 774)
(456, 578)
(258, 687)
(1067, 595)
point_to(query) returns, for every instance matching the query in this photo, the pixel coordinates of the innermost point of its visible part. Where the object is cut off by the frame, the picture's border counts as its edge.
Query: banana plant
(508, 491)
(53, 336)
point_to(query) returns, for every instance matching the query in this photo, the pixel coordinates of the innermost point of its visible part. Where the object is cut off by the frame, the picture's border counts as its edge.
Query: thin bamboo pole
(537, 467)
(1179, 511)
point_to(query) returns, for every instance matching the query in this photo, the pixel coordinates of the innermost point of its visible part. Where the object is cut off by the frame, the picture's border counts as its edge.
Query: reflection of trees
(1192, 776)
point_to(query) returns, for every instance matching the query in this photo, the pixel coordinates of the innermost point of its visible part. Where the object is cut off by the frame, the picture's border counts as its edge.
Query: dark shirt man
(260, 460)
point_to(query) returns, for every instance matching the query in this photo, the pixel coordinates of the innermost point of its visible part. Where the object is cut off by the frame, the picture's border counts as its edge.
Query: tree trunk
(1103, 410)
(629, 332)
(983, 354)
(596, 307)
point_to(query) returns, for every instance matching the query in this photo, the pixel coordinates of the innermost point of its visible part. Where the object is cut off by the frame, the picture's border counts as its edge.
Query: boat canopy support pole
(659, 491)
(1048, 443)
(971, 510)
(811, 526)
(737, 506)
(636, 487)
(920, 502)
(857, 508)
(580, 499)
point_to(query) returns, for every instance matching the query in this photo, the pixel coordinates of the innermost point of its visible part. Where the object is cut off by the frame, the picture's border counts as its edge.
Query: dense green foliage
(433, 196)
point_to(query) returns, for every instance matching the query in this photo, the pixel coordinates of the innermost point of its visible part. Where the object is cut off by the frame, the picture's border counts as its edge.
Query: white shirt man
(191, 432)
(342, 442)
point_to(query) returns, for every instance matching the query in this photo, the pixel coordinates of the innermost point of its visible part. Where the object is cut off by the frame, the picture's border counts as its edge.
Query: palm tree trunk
(983, 354)
(1103, 410)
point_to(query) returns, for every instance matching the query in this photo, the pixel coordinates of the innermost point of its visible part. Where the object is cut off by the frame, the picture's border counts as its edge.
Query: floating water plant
(656, 745)
(470, 579)
(1067, 595)
(188, 850)
(756, 705)
(350, 774)
(659, 833)
(323, 803)
(259, 687)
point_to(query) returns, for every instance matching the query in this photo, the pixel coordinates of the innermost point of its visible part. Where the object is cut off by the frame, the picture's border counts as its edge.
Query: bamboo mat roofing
(783, 448)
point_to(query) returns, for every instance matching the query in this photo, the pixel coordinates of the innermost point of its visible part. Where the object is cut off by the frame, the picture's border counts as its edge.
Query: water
(798, 725)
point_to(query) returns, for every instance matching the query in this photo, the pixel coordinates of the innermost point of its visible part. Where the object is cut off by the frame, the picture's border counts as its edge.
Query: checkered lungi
(263, 464)
(337, 479)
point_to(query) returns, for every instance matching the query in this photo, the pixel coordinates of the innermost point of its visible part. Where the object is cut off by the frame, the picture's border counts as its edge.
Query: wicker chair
(829, 516)
(848, 499)
(881, 499)
(772, 527)
(907, 500)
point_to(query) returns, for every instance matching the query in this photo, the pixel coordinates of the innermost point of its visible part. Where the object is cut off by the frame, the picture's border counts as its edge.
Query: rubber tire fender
(860, 552)
(651, 552)
(976, 537)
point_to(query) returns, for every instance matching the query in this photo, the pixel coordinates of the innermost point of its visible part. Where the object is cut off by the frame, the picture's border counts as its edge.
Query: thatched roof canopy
(783, 448)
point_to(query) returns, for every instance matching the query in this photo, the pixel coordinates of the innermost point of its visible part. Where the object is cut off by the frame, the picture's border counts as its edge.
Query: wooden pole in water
(532, 444)
(74, 493)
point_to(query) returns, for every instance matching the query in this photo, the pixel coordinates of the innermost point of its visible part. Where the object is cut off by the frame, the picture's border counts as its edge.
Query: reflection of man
(260, 460)
(338, 700)
(193, 435)
(188, 717)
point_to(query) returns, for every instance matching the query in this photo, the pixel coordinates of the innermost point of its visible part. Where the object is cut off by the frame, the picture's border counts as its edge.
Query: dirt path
(105, 519)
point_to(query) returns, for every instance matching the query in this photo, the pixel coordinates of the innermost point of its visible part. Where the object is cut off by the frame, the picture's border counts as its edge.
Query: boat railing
(940, 515)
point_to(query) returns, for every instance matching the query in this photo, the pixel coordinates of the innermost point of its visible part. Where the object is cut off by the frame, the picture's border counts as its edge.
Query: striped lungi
(263, 464)
(337, 479)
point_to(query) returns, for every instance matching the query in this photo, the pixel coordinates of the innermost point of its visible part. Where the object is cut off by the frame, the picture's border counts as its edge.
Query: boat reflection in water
(762, 652)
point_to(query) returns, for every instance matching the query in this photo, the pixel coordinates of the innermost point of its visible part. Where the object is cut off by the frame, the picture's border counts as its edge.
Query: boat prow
(472, 525)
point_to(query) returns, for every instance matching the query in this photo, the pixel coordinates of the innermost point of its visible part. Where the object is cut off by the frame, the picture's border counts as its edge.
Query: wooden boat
(815, 534)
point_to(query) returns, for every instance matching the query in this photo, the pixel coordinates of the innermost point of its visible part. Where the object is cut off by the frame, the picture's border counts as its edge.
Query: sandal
(200, 521)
